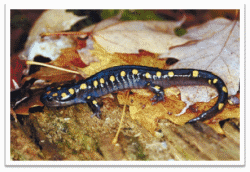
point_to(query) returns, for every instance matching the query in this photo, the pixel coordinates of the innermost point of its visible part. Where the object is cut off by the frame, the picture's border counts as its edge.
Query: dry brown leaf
(132, 36)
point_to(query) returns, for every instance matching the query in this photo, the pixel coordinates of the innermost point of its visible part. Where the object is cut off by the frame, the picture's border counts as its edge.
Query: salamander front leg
(159, 93)
(95, 108)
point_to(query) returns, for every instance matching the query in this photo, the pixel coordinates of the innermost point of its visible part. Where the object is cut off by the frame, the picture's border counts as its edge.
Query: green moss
(131, 14)
(137, 149)
(180, 31)
(140, 15)
(108, 13)
(140, 154)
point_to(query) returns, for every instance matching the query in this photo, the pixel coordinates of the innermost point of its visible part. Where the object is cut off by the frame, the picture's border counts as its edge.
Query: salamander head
(61, 96)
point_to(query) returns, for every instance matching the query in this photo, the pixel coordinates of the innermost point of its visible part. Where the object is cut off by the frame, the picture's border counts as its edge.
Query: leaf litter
(115, 43)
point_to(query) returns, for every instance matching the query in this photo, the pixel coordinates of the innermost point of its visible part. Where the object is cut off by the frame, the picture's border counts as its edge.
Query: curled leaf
(50, 21)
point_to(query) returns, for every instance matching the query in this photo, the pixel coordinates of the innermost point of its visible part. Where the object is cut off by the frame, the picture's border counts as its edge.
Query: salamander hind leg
(97, 114)
(159, 93)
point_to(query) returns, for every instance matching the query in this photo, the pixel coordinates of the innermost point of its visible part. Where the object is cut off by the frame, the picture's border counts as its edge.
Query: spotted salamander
(136, 77)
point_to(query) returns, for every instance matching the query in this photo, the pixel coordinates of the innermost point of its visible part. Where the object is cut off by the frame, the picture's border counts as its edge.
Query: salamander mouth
(53, 102)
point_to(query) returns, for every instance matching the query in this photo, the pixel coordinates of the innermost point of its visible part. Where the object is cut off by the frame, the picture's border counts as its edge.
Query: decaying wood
(187, 143)
(76, 136)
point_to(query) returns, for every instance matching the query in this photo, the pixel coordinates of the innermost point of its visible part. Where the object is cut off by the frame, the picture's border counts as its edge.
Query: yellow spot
(55, 94)
(95, 83)
(157, 87)
(63, 95)
(112, 78)
(148, 75)
(88, 97)
(209, 81)
(158, 74)
(195, 73)
(59, 88)
(83, 86)
(48, 92)
(102, 81)
(135, 72)
(123, 73)
(215, 81)
(224, 89)
(220, 106)
(94, 102)
(148, 84)
(171, 74)
(71, 91)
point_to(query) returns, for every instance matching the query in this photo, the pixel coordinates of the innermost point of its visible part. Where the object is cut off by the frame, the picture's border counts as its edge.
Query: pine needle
(120, 126)
(50, 66)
